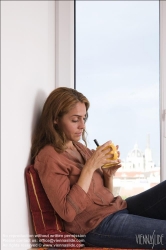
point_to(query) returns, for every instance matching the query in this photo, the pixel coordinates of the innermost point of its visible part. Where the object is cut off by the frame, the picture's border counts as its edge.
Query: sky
(117, 69)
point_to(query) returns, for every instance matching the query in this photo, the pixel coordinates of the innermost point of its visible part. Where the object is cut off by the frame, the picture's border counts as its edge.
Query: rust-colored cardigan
(80, 211)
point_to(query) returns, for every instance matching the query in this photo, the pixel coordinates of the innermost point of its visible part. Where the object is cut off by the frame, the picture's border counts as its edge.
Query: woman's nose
(82, 124)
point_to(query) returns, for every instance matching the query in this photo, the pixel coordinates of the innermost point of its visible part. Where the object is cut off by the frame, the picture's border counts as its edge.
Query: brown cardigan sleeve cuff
(77, 198)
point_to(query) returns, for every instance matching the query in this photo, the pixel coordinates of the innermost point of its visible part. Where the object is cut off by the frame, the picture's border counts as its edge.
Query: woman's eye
(74, 120)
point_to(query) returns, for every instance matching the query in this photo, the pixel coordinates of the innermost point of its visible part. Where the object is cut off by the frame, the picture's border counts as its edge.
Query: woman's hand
(97, 160)
(99, 157)
(110, 171)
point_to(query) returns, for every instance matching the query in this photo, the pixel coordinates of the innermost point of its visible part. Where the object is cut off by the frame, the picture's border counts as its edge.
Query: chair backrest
(47, 223)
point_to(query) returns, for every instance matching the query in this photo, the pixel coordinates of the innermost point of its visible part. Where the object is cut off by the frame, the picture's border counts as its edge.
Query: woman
(80, 190)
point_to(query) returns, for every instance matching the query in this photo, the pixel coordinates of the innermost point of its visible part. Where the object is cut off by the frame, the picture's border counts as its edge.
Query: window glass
(117, 69)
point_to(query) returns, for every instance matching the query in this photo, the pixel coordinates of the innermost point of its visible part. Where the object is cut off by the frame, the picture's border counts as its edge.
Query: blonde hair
(59, 102)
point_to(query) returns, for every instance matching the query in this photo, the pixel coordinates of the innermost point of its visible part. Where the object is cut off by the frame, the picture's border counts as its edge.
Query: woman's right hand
(97, 160)
(99, 157)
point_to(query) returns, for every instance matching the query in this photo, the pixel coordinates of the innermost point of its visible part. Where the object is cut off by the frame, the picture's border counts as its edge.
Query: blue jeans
(141, 225)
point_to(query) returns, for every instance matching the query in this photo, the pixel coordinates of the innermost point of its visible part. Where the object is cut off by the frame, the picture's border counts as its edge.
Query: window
(117, 68)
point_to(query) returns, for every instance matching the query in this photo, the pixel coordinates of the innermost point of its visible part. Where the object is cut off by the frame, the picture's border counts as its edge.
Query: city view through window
(117, 69)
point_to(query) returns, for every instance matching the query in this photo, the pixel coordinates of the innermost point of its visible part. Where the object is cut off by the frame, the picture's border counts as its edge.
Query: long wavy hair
(59, 102)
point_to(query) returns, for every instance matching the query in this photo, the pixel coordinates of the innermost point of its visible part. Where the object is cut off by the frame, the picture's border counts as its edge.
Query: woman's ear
(56, 121)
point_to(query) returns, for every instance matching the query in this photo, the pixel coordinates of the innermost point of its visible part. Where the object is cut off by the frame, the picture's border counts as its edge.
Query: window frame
(64, 43)
(162, 53)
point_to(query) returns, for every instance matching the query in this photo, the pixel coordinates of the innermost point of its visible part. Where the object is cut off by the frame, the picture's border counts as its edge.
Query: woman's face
(73, 123)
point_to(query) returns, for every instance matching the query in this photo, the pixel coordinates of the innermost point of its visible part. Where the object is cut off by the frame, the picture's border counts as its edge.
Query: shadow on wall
(38, 106)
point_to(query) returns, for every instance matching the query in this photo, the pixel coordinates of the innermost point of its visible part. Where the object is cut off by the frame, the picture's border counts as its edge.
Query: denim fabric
(151, 203)
(141, 225)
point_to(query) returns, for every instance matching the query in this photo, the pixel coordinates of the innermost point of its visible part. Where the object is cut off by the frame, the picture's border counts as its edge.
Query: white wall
(30, 70)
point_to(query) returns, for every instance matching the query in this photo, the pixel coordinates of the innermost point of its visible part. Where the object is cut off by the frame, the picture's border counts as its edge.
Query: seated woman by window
(80, 188)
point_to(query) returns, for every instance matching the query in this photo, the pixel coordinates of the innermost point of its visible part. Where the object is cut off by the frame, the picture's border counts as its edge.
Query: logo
(147, 239)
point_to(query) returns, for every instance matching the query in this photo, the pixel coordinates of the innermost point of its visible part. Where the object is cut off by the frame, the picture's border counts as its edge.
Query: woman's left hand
(110, 171)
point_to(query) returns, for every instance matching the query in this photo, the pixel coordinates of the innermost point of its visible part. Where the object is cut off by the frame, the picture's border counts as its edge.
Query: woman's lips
(79, 134)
